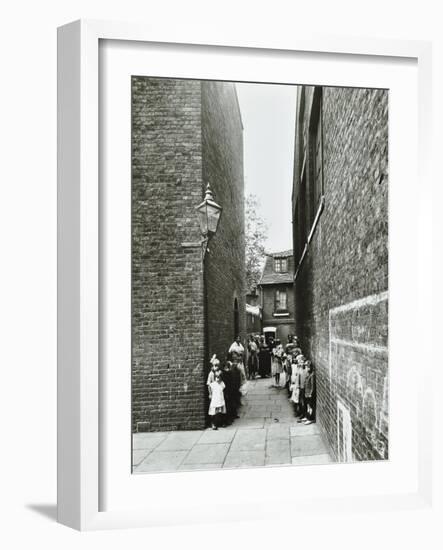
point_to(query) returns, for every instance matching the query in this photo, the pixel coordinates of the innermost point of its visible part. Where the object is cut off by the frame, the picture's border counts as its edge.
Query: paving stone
(161, 461)
(277, 413)
(307, 445)
(275, 421)
(276, 417)
(214, 453)
(251, 440)
(301, 429)
(278, 431)
(259, 399)
(255, 439)
(148, 440)
(244, 459)
(277, 452)
(180, 441)
(138, 456)
(263, 411)
(217, 436)
(312, 459)
(249, 422)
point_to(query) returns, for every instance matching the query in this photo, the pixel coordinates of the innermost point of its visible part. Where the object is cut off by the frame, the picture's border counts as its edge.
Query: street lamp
(209, 213)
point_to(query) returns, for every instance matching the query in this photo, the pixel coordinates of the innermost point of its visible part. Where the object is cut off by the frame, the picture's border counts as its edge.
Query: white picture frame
(80, 444)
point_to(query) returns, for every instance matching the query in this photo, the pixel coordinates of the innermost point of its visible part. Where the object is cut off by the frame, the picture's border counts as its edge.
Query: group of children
(300, 382)
(225, 391)
(290, 368)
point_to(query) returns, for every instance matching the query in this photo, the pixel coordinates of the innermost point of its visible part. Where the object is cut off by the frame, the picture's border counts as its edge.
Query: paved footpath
(266, 434)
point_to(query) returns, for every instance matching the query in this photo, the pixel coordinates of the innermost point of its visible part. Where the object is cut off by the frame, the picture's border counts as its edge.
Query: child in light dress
(215, 366)
(294, 386)
(217, 406)
(277, 364)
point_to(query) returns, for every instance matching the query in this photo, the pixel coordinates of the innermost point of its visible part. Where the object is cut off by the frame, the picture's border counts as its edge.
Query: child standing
(217, 406)
(294, 388)
(310, 395)
(229, 393)
(215, 366)
(301, 379)
(277, 365)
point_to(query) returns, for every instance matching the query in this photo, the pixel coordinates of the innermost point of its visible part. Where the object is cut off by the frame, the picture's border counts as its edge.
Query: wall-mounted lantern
(208, 213)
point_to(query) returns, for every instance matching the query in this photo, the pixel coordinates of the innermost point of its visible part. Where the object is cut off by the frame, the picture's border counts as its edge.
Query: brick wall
(176, 147)
(167, 282)
(341, 288)
(222, 143)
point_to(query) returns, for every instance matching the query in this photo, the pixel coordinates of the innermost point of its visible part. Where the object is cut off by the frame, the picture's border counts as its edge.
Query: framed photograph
(235, 228)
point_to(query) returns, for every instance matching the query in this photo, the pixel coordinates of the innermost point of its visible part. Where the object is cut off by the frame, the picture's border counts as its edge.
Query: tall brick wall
(177, 145)
(341, 288)
(167, 281)
(222, 150)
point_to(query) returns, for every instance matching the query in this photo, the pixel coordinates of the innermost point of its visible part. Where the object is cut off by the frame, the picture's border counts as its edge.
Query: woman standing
(264, 359)
(252, 357)
(237, 352)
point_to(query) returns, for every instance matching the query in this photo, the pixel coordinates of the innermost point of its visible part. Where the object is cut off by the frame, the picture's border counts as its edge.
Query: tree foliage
(255, 237)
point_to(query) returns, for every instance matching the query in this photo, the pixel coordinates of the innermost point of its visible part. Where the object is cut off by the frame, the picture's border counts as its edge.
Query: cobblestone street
(266, 434)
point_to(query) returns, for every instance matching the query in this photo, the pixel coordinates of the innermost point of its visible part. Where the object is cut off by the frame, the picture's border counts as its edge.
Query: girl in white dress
(277, 365)
(217, 405)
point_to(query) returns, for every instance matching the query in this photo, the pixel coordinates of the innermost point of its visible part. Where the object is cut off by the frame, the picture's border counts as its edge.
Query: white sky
(268, 114)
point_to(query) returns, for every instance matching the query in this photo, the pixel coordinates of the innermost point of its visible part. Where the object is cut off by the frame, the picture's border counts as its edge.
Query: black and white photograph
(259, 261)
(222, 266)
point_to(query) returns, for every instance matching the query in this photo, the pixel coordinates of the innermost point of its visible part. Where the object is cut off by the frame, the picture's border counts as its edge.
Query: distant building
(340, 224)
(185, 133)
(277, 295)
(253, 313)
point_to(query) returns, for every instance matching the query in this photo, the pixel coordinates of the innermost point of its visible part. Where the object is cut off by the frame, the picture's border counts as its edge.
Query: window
(281, 300)
(280, 265)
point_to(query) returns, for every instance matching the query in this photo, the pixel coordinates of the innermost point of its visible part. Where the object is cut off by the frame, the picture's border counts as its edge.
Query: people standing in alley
(290, 345)
(215, 366)
(283, 374)
(217, 405)
(252, 357)
(237, 351)
(264, 359)
(236, 379)
(229, 392)
(310, 395)
(300, 384)
(277, 364)
(294, 388)
(272, 344)
(237, 348)
(287, 368)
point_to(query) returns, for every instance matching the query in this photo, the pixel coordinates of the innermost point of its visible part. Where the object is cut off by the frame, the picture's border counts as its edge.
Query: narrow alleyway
(266, 434)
